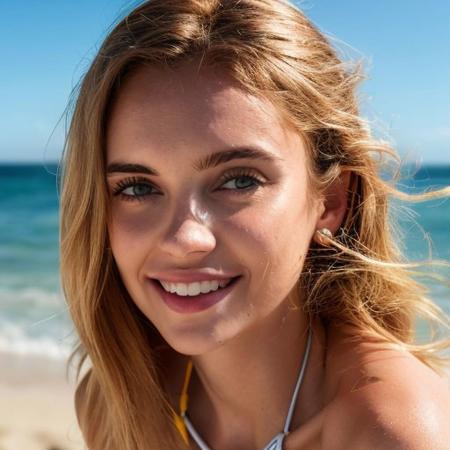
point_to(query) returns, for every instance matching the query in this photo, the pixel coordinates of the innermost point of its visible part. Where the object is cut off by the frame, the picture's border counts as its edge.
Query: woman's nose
(189, 236)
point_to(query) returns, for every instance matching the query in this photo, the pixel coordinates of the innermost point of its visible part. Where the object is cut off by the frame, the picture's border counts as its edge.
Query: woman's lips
(196, 303)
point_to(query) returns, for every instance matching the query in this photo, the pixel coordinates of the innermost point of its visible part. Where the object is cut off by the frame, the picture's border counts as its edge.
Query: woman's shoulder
(383, 398)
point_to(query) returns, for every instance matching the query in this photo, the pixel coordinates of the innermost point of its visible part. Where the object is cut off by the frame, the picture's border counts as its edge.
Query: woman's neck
(242, 390)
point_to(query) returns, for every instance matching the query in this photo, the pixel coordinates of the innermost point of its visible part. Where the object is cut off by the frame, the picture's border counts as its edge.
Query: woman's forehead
(162, 105)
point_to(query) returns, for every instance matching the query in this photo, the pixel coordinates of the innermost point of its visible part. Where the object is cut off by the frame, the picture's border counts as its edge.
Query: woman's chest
(306, 437)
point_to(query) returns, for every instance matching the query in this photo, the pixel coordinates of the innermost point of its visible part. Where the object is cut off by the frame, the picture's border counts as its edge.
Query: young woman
(226, 251)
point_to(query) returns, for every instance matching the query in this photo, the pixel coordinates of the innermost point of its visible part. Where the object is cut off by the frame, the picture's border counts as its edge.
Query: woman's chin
(193, 346)
(196, 341)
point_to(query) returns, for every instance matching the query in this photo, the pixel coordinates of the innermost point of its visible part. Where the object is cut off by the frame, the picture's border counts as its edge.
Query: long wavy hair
(359, 278)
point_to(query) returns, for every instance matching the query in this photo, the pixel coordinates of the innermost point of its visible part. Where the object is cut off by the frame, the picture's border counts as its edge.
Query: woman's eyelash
(233, 174)
(130, 182)
(242, 173)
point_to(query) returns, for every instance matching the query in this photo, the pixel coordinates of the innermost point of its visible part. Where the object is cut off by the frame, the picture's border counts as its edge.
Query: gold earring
(322, 236)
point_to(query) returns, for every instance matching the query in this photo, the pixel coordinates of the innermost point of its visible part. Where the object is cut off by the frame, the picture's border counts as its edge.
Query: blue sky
(46, 47)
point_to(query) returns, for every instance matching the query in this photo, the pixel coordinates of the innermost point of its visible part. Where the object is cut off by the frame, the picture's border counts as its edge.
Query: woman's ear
(335, 203)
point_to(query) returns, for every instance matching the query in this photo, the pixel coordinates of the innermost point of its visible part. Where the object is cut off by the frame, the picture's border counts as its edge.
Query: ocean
(33, 313)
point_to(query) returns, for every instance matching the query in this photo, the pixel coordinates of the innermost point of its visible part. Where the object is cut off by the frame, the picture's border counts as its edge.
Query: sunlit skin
(247, 348)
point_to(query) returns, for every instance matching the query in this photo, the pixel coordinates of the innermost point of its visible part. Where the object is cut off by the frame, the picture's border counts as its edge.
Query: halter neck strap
(186, 423)
(299, 382)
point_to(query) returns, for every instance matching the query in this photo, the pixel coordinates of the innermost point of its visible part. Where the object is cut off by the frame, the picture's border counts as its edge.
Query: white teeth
(193, 289)
(190, 289)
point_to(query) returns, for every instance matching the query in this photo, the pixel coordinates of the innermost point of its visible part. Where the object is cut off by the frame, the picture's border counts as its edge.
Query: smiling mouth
(201, 294)
(189, 304)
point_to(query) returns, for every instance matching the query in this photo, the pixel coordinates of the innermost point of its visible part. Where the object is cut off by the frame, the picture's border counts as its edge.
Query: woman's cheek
(127, 235)
(131, 226)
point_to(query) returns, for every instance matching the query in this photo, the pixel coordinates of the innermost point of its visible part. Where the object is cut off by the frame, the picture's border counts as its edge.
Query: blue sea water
(33, 317)
(33, 313)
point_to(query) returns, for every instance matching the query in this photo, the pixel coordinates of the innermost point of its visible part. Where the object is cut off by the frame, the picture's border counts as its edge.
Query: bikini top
(185, 426)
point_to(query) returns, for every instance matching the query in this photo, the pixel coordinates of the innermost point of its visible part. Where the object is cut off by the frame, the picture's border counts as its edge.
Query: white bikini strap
(277, 442)
(299, 382)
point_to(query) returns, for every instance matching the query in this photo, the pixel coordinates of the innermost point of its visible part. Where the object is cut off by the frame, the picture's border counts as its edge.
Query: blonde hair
(359, 278)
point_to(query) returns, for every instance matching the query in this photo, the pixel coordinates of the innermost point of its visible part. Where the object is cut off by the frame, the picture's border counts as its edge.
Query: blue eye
(241, 180)
(138, 188)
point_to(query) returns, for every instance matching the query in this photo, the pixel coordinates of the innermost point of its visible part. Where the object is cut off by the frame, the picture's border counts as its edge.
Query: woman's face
(246, 216)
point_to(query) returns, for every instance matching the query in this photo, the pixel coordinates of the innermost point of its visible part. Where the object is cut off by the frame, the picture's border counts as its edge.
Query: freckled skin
(167, 121)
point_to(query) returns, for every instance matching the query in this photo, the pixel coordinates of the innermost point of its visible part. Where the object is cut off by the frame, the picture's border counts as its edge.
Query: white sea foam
(13, 339)
(34, 321)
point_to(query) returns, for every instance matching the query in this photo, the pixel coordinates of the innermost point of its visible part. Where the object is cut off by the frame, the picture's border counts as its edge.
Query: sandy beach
(36, 405)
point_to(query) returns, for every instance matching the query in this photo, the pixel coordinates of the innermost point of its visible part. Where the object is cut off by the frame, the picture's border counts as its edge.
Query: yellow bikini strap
(184, 395)
(179, 422)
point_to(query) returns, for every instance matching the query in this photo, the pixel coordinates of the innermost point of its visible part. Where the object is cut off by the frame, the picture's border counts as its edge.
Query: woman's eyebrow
(211, 160)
